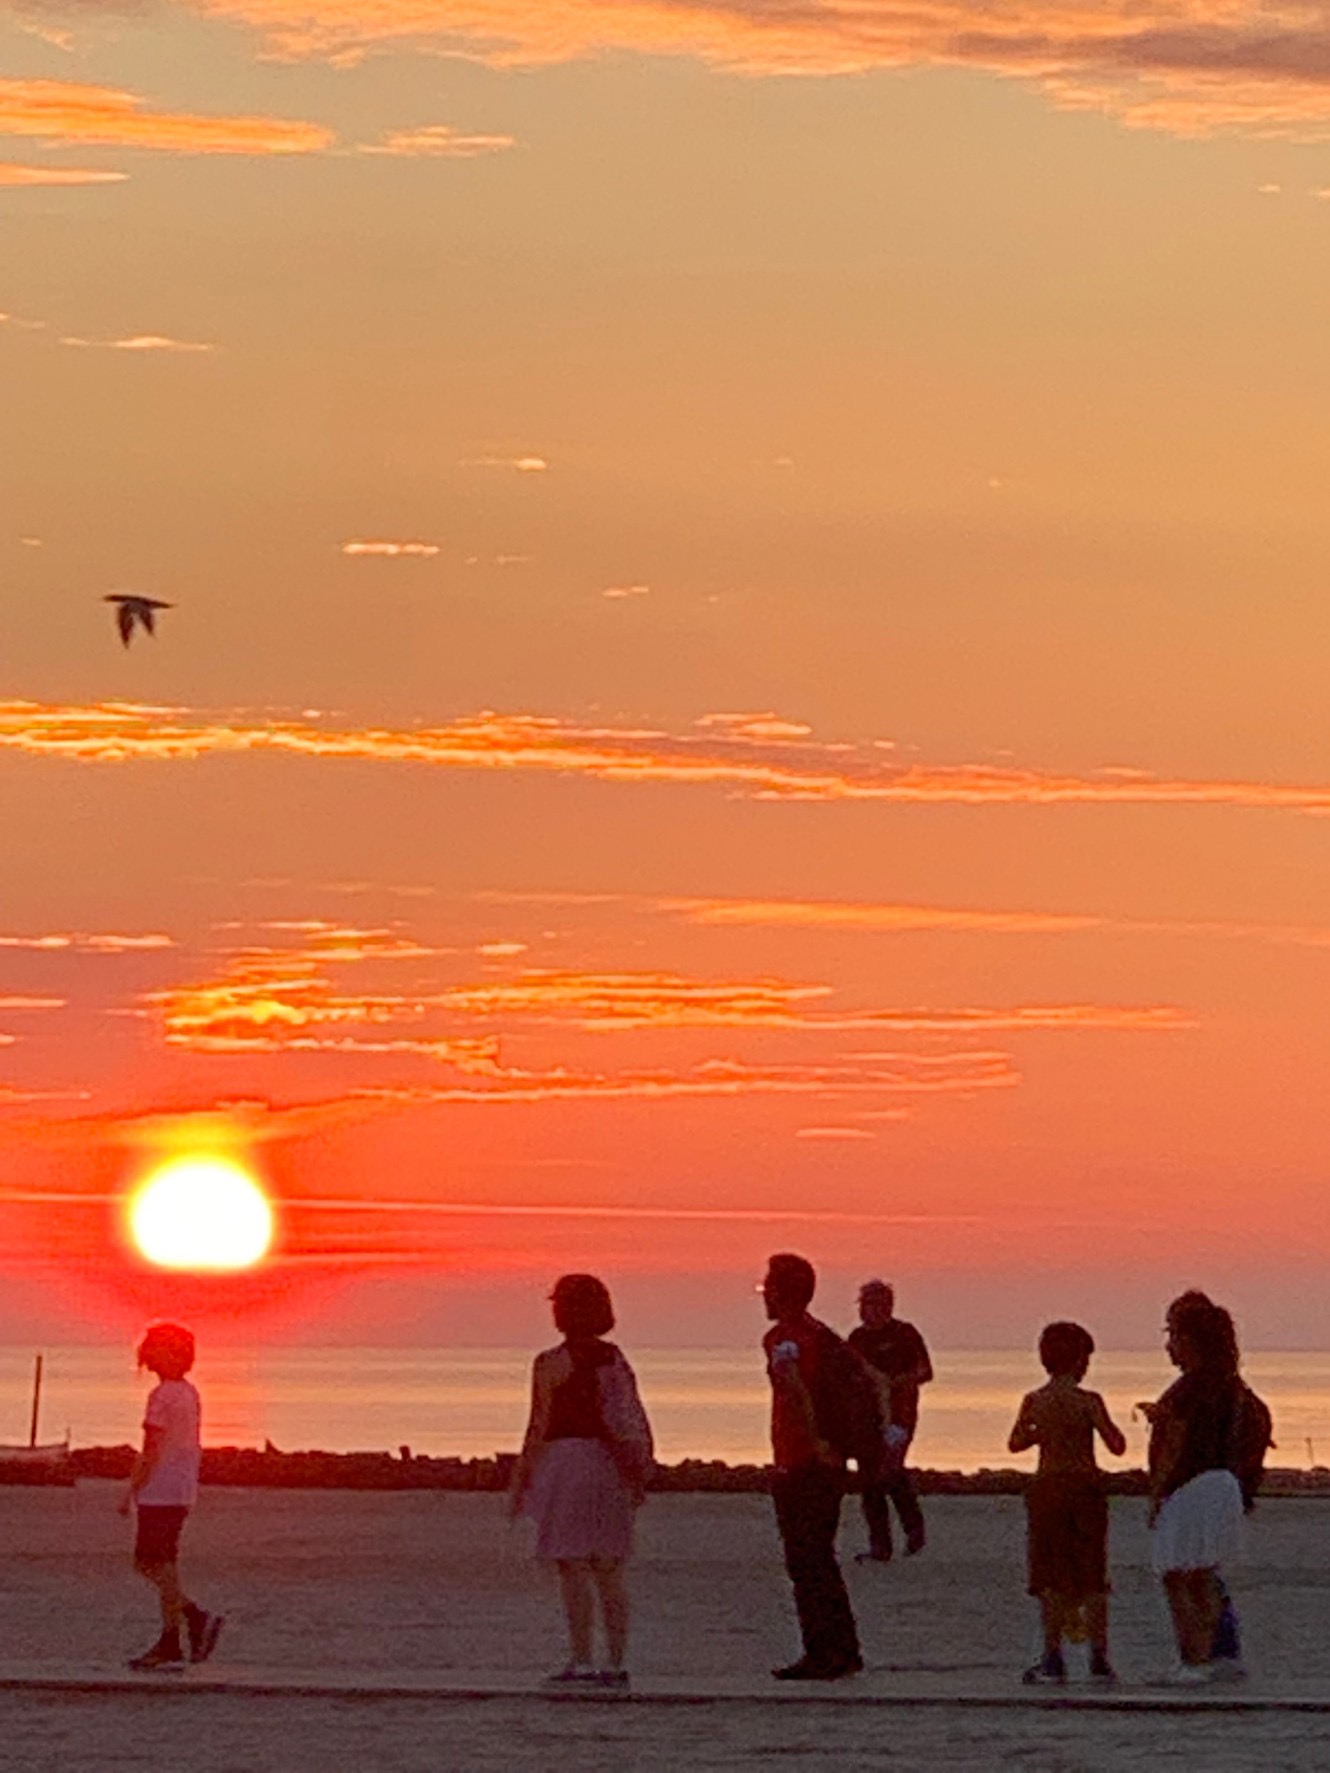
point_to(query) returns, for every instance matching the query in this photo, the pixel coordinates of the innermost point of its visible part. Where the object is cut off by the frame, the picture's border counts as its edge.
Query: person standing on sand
(1067, 1505)
(1196, 1499)
(582, 1474)
(809, 1479)
(163, 1487)
(898, 1355)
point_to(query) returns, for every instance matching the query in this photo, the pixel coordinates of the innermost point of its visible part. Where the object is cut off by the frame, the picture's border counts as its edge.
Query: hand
(1149, 1411)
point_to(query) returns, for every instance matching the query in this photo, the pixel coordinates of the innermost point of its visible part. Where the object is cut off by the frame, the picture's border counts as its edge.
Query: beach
(411, 1631)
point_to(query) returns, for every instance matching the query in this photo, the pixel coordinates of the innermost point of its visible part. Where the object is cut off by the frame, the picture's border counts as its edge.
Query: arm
(533, 1442)
(923, 1366)
(1025, 1431)
(145, 1463)
(1108, 1430)
(789, 1382)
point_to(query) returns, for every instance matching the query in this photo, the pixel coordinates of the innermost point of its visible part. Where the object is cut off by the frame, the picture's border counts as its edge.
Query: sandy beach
(432, 1594)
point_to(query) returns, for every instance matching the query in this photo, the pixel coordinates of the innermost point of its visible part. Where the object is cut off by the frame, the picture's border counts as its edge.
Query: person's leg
(1207, 1608)
(877, 1518)
(900, 1487)
(1050, 1618)
(608, 1575)
(809, 1513)
(578, 1608)
(1195, 1610)
(1227, 1646)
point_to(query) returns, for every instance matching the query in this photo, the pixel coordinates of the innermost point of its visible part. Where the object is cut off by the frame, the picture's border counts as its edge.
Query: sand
(347, 1592)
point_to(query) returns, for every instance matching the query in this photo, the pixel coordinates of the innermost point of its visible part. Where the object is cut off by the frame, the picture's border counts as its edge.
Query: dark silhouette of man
(809, 1479)
(898, 1356)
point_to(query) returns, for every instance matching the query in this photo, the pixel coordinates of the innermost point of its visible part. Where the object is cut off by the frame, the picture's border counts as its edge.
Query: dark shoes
(915, 1542)
(806, 1669)
(1049, 1671)
(873, 1557)
(165, 1657)
(204, 1630)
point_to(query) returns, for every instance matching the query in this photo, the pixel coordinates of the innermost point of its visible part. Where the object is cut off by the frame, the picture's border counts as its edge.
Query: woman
(1196, 1504)
(582, 1473)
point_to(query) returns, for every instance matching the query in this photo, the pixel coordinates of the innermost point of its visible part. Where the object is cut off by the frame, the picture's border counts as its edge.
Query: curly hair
(1065, 1350)
(167, 1350)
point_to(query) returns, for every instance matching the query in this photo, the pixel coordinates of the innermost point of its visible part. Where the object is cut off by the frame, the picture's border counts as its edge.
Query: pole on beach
(36, 1400)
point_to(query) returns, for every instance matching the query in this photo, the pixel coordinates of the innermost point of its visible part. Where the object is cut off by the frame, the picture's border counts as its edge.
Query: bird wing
(124, 621)
(147, 617)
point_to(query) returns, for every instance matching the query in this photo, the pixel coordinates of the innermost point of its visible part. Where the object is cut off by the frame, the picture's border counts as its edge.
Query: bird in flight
(131, 609)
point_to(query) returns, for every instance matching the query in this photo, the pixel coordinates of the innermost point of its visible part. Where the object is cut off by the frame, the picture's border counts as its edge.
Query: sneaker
(1228, 1668)
(872, 1557)
(577, 1674)
(1192, 1674)
(915, 1543)
(165, 1657)
(616, 1679)
(1102, 1672)
(204, 1631)
(1049, 1671)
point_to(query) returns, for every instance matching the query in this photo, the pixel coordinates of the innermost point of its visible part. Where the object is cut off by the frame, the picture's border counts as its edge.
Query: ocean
(704, 1403)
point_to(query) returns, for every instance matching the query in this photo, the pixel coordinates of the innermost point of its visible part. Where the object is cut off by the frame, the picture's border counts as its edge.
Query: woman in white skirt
(1196, 1506)
(582, 1474)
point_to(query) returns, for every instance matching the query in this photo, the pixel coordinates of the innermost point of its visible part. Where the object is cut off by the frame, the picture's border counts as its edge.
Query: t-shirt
(1206, 1405)
(792, 1346)
(173, 1410)
(898, 1351)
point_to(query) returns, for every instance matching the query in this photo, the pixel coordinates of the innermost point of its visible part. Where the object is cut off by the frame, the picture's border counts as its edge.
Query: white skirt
(581, 1506)
(1200, 1526)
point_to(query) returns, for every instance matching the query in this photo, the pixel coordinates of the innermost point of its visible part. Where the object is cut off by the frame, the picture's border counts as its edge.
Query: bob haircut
(582, 1306)
(167, 1350)
(1065, 1350)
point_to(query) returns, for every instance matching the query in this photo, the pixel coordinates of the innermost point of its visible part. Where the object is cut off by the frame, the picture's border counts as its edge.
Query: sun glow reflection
(201, 1213)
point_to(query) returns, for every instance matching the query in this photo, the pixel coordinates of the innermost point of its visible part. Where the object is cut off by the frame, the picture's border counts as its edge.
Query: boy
(1066, 1504)
(164, 1486)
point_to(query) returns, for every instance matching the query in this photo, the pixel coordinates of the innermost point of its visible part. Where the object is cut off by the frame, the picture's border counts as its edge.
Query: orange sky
(747, 660)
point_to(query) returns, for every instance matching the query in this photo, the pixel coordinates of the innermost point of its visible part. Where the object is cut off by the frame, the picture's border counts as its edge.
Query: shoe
(872, 1557)
(616, 1679)
(575, 1675)
(1049, 1671)
(1192, 1674)
(165, 1657)
(1228, 1668)
(204, 1630)
(915, 1543)
(807, 1670)
(1102, 1672)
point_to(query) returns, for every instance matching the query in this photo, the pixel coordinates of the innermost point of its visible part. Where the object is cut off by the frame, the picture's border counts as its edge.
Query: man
(809, 1478)
(896, 1352)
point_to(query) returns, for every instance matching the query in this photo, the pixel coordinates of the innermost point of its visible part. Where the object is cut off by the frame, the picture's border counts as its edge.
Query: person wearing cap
(898, 1355)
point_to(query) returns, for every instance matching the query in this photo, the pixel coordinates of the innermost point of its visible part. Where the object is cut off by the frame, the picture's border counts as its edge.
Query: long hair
(1208, 1332)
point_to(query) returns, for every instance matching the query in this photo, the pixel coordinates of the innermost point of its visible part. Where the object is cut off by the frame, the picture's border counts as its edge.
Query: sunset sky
(747, 666)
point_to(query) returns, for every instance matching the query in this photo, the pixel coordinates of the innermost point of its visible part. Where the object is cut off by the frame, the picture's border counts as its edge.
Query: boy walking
(163, 1487)
(1067, 1505)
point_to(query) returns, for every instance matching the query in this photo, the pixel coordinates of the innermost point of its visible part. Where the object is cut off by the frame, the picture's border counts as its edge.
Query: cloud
(17, 176)
(145, 341)
(438, 141)
(393, 550)
(22, 325)
(618, 591)
(1192, 67)
(70, 112)
(20, 1002)
(832, 1133)
(740, 760)
(522, 464)
(79, 942)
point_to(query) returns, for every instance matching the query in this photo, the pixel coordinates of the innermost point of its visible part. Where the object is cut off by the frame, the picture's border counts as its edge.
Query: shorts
(157, 1537)
(1200, 1526)
(1068, 1542)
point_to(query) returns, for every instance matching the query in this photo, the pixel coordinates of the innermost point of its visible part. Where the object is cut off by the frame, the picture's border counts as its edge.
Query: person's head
(1065, 1351)
(877, 1304)
(167, 1350)
(789, 1286)
(1204, 1340)
(582, 1306)
(1177, 1310)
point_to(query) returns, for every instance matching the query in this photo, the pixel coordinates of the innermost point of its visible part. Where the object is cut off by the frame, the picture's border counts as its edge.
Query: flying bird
(131, 609)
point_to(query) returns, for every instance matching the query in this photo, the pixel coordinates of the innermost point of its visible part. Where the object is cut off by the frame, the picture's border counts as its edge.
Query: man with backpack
(823, 1411)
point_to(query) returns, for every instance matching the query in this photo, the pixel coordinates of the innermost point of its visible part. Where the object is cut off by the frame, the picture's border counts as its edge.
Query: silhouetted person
(809, 1478)
(1197, 1500)
(582, 1474)
(898, 1355)
(1067, 1504)
(163, 1487)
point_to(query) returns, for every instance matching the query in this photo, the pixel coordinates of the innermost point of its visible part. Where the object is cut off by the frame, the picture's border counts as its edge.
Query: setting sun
(201, 1213)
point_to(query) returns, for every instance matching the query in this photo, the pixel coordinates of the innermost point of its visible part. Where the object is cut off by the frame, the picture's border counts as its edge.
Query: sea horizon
(706, 1404)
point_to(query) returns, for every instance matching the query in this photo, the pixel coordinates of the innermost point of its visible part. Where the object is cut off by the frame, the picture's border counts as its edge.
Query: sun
(201, 1213)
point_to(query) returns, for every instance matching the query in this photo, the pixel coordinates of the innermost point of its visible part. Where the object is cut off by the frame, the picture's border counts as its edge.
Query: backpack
(1250, 1437)
(848, 1405)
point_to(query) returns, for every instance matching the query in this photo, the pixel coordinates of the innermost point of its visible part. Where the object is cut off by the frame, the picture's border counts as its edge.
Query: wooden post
(36, 1400)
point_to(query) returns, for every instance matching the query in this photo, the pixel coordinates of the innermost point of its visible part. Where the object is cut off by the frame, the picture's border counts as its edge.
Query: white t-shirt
(173, 1410)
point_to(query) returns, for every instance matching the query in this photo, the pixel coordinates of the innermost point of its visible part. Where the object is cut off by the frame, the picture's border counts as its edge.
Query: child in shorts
(1067, 1505)
(163, 1487)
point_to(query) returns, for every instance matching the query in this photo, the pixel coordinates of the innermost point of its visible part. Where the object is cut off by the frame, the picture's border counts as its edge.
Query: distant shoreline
(270, 1468)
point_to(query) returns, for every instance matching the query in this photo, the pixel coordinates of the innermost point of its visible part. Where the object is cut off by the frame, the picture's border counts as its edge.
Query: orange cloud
(1193, 67)
(393, 550)
(81, 943)
(142, 341)
(18, 176)
(438, 141)
(734, 759)
(67, 111)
